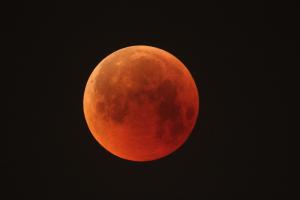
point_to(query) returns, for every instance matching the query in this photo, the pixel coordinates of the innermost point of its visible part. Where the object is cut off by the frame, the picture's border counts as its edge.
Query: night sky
(240, 55)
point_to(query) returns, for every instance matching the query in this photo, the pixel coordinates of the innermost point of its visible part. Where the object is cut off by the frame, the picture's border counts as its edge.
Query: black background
(240, 55)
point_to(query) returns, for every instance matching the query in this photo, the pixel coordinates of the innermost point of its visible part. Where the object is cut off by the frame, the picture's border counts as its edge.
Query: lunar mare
(141, 103)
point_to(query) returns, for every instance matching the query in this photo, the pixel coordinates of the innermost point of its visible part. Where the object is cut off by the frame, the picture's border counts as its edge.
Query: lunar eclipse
(141, 103)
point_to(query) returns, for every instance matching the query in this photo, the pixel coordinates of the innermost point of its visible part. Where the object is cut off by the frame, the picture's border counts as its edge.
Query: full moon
(141, 103)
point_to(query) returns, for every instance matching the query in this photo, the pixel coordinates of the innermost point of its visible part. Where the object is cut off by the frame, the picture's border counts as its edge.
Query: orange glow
(141, 103)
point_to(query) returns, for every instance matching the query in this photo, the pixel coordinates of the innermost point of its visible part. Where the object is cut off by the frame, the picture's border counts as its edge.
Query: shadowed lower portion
(141, 103)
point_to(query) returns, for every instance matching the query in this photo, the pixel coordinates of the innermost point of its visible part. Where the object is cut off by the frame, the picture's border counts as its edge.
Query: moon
(141, 103)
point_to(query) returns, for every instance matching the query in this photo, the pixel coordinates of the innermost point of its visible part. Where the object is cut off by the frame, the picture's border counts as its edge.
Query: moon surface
(141, 103)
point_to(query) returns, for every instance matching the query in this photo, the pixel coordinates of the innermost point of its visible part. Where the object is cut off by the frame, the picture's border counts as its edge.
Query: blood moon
(141, 103)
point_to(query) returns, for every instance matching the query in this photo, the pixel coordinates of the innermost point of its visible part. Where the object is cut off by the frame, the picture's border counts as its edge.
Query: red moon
(141, 103)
